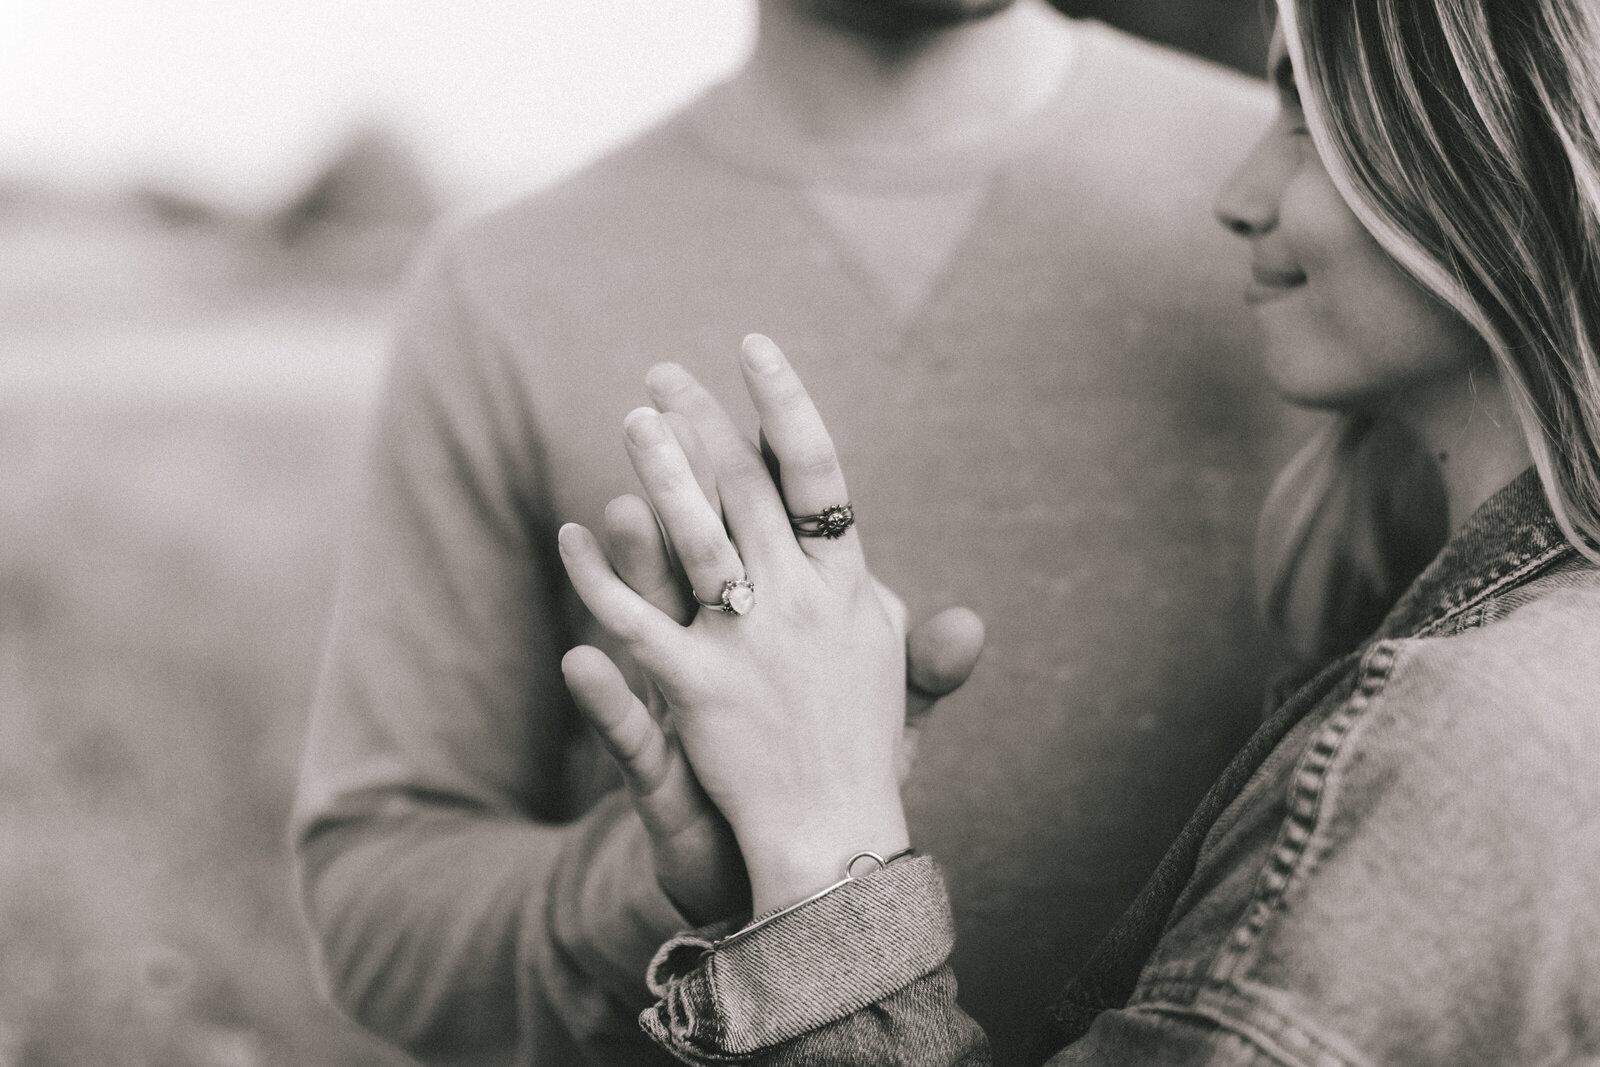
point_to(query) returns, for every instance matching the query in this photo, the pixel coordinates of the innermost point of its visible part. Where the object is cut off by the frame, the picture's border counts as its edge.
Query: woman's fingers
(640, 557)
(633, 737)
(808, 467)
(695, 529)
(750, 501)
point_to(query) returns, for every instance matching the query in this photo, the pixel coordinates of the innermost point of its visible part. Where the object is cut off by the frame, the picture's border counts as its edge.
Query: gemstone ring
(738, 597)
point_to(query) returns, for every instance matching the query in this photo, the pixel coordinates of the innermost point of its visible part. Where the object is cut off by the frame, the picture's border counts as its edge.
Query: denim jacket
(1403, 868)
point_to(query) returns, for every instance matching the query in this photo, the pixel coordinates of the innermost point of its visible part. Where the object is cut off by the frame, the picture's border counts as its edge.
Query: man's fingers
(750, 501)
(694, 450)
(940, 656)
(695, 530)
(626, 728)
(639, 556)
(624, 614)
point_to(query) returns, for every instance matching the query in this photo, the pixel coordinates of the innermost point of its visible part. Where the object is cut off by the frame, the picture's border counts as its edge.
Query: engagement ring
(738, 597)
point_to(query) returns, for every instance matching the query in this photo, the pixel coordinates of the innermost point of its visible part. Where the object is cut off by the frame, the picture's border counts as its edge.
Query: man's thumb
(940, 656)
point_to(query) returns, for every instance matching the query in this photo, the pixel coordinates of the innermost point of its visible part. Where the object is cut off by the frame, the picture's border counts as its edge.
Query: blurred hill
(362, 215)
(346, 236)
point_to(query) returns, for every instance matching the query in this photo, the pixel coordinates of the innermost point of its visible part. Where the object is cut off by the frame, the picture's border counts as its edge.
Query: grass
(166, 567)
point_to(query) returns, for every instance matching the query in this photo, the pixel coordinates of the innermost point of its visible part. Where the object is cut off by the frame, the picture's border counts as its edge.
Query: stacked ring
(830, 522)
(738, 597)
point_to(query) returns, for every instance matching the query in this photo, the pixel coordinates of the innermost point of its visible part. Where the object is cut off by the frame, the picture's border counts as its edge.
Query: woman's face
(1344, 327)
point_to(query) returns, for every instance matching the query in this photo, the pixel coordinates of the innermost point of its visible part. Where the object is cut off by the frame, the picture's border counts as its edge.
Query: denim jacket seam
(1305, 803)
(1472, 610)
(1308, 784)
(1280, 1038)
(1313, 692)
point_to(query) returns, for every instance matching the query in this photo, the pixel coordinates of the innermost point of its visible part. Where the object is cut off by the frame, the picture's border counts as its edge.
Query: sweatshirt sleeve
(441, 763)
(858, 977)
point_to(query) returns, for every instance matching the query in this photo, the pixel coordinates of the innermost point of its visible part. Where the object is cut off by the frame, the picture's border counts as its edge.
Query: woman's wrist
(791, 859)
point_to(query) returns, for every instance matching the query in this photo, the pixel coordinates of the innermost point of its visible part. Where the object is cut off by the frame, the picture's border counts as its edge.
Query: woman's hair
(1465, 134)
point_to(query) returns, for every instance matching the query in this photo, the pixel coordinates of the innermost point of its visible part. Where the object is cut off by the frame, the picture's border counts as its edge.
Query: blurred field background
(183, 380)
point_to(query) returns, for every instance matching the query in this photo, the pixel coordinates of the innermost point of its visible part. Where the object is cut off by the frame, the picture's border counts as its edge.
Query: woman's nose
(1247, 204)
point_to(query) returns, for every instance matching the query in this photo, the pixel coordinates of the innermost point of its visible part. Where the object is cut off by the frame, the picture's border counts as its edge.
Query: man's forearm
(417, 919)
(465, 938)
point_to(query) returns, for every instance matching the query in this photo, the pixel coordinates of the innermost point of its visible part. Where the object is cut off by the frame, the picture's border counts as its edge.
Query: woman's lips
(1269, 283)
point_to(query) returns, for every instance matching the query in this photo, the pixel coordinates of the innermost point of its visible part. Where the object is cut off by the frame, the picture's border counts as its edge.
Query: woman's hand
(792, 714)
(695, 856)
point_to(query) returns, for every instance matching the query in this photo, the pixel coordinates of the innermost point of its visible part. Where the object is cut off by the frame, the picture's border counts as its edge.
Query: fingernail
(665, 376)
(643, 427)
(569, 537)
(760, 353)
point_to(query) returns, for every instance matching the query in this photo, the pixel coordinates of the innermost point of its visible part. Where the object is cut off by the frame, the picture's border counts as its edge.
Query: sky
(240, 100)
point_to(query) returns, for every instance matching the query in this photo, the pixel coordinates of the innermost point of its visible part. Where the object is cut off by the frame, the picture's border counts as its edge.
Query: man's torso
(1069, 436)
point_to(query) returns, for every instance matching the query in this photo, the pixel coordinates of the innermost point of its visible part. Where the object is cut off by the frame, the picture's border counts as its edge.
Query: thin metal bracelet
(755, 924)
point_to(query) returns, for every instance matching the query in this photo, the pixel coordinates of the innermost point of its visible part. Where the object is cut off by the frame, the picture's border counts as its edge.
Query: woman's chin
(1317, 401)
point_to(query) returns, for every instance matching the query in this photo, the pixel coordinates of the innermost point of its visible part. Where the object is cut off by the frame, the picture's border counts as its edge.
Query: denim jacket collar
(1509, 538)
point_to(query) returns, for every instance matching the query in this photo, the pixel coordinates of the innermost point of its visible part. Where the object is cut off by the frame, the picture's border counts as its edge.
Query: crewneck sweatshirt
(1067, 432)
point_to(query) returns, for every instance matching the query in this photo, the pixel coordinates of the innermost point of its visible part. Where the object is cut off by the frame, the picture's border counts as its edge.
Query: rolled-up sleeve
(858, 977)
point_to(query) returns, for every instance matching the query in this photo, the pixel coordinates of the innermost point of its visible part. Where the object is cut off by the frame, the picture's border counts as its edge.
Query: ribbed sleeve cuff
(811, 967)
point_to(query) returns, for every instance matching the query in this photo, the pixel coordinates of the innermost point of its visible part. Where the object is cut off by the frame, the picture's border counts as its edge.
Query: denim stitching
(1495, 546)
(1281, 1039)
(1308, 696)
(1495, 582)
(1306, 793)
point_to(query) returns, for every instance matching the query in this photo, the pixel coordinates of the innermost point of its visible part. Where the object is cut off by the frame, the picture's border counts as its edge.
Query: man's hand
(941, 653)
(697, 861)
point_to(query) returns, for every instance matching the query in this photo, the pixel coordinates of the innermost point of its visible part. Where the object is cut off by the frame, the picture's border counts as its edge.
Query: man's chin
(904, 18)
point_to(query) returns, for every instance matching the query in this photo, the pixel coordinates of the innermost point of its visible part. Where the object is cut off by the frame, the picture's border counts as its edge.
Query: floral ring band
(830, 522)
